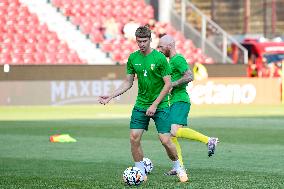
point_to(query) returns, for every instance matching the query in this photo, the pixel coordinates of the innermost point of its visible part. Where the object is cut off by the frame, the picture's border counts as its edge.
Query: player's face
(163, 48)
(143, 43)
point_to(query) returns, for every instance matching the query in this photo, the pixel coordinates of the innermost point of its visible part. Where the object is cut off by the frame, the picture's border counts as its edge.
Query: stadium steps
(66, 31)
(229, 15)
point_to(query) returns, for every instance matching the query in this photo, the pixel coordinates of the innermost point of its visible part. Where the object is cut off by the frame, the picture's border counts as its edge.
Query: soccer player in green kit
(180, 102)
(154, 82)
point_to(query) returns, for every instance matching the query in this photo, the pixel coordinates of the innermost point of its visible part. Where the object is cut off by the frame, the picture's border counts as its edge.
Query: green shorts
(139, 120)
(179, 113)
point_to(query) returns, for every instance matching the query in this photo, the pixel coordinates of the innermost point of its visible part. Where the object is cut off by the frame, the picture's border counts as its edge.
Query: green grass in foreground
(250, 154)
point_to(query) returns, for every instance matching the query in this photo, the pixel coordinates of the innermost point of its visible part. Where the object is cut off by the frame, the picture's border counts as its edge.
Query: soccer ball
(148, 165)
(132, 176)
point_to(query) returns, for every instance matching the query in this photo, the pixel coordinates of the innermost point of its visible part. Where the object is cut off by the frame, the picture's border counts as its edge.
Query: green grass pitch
(250, 154)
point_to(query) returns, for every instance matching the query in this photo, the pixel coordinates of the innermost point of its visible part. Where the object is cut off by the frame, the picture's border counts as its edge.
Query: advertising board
(224, 91)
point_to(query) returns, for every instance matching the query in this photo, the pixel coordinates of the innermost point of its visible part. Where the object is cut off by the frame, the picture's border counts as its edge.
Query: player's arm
(186, 78)
(125, 86)
(152, 109)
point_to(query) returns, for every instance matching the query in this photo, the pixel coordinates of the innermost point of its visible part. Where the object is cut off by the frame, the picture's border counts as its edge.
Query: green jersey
(150, 70)
(179, 66)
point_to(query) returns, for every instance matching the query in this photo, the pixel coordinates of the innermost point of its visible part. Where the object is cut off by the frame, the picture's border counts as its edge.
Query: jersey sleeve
(129, 66)
(181, 65)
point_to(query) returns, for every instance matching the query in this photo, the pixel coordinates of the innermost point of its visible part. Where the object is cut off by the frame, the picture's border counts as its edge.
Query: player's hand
(151, 110)
(104, 99)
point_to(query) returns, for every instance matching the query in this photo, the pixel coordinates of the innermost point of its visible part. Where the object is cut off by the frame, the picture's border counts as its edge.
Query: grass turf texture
(250, 154)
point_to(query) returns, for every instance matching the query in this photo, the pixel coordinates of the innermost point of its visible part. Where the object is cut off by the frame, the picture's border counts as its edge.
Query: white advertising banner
(212, 91)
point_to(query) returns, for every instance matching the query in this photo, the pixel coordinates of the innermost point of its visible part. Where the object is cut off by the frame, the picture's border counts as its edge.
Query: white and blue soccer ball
(148, 165)
(132, 176)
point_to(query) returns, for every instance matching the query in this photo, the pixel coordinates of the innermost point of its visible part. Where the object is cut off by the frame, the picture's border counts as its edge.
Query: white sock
(176, 165)
(140, 165)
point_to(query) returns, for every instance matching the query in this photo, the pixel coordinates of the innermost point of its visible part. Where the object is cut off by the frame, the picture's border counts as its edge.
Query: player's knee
(173, 132)
(166, 141)
(174, 129)
(134, 138)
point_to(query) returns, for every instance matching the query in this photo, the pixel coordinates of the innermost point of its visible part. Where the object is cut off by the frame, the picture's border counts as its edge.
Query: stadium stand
(24, 40)
(229, 14)
(90, 15)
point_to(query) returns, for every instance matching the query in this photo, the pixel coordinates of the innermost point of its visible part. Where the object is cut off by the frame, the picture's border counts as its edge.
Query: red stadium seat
(30, 48)
(57, 3)
(28, 58)
(8, 38)
(97, 37)
(30, 37)
(40, 47)
(50, 58)
(61, 58)
(23, 40)
(6, 48)
(208, 60)
(86, 27)
(18, 49)
(20, 39)
(39, 57)
(198, 51)
(73, 57)
(76, 20)
(107, 46)
(5, 58)
(16, 58)
(117, 56)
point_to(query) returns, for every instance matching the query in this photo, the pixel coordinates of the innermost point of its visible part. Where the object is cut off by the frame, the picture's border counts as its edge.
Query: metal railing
(206, 34)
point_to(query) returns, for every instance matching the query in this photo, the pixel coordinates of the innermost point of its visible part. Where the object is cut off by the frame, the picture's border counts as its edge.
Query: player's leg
(190, 134)
(178, 148)
(163, 127)
(136, 149)
(139, 122)
(135, 141)
(166, 141)
(179, 115)
(179, 154)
